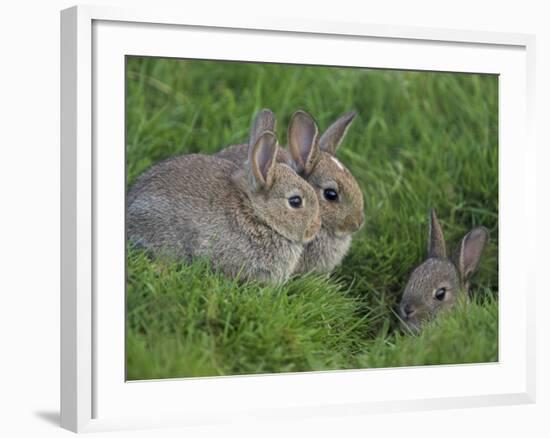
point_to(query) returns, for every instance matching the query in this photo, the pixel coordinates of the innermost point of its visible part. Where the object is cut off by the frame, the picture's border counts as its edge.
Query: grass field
(420, 140)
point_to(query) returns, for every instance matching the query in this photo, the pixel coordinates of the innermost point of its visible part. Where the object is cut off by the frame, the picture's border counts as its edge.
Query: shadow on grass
(51, 417)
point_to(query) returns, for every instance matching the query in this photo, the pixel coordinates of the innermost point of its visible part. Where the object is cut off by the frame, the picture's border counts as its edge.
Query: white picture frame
(94, 395)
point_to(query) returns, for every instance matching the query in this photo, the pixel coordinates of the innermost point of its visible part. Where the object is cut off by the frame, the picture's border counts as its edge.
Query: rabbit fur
(237, 216)
(314, 159)
(437, 283)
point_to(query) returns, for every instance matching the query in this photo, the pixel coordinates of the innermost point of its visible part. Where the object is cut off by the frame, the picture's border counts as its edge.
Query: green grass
(420, 140)
(468, 334)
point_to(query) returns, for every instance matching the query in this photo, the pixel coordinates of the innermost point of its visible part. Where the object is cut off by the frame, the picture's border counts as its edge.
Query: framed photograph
(278, 219)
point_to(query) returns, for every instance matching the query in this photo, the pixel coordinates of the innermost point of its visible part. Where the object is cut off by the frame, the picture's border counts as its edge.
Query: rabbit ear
(436, 241)
(469, 253)
(302, 141)
(261, 158)
(333, 136)
(264, 121)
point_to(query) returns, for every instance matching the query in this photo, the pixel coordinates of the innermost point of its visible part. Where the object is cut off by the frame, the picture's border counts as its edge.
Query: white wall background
(29, 216)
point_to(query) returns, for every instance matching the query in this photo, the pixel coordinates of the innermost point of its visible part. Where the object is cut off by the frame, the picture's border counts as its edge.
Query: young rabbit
(251, 221)
(339, 195)
(439, 281)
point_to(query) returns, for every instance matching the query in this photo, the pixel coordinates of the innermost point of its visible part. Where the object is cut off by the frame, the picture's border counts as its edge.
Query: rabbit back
(237, 154)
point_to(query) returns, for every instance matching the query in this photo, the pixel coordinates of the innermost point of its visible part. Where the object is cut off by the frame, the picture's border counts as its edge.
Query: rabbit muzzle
(352, 223)
(413, 315)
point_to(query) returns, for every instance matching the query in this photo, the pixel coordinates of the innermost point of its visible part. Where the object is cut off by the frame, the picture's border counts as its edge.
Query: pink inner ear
(303, 139)
(266, 148)
(304, 149)
(265, 168)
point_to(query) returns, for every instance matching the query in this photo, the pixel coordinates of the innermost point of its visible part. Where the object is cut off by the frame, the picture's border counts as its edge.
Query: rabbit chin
(335, 232)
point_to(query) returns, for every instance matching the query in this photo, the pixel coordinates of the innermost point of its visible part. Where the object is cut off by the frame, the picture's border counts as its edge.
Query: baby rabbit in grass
(250, 221)
(439, 281)
(339, 195)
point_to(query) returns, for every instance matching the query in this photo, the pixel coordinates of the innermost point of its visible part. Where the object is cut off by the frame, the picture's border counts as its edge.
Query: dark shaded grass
(420, 140)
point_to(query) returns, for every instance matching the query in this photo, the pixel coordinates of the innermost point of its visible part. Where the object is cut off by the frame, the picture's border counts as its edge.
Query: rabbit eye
(440, 293)
(330, 194)
(295, 201)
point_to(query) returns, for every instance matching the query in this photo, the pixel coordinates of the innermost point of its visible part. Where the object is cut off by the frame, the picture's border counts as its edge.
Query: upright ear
(261, 158)
(333, 136)
(469, 252)
(436, 241)
(303, 142)
(264, 121)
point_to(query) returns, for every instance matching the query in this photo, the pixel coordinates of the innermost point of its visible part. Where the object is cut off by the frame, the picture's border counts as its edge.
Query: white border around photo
(95, 395)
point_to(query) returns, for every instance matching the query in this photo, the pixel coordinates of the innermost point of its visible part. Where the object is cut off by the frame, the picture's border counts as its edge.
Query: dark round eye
(295, 201)
(440, 293)
(330, 194)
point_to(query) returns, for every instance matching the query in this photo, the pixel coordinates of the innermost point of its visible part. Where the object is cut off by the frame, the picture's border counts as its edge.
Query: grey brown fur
(313, 158)
(239, 217)
(419, 302)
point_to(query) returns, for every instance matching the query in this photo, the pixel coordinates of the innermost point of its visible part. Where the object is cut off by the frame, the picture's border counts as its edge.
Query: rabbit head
(440, 281)
(339, 195)
(276, 194)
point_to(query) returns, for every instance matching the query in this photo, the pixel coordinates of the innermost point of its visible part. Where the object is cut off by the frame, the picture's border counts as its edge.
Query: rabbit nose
(408, 310)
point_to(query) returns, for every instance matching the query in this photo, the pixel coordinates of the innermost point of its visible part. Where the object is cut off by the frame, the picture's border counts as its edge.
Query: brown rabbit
(339, 195)
(251, 221)
(439, 281)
